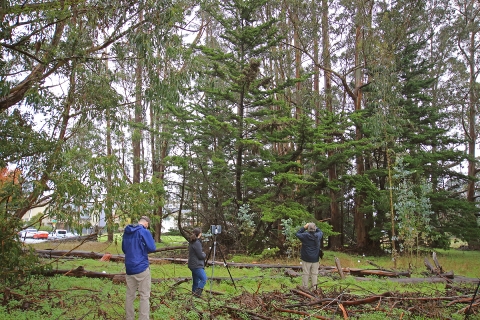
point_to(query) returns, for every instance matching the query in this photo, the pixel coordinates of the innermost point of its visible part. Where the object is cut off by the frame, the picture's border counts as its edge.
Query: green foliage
(36, 220)
(17, 264)
(292, 243)
(235, 116)
(19, 139)
(272, 211)
(246, 223)
(268, 253)
(412, 208)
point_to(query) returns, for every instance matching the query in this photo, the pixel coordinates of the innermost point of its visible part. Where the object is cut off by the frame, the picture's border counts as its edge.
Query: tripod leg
(213, 263)
(208, 255)
(226, 265)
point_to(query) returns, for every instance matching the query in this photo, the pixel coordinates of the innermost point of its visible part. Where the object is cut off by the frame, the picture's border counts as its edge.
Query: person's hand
(306, 226)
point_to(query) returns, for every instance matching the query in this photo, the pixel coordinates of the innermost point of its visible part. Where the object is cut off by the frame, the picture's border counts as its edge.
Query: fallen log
(88, 237)
(366, 300)
(437, 264)
(121, 278)
(290, 269)
(429, 266)
(54, 254)
(436, 271)
(462, 300)
(457, 279)
(115, 277)
(78, 272)
(468, 309)
(339, 268)
(304, 294)
(379, 273)
(50, 253)
(171, 248)
(377, 266)
(291, 273)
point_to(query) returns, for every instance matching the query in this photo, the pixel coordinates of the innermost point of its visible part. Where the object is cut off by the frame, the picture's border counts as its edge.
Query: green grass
(464, 263)
(62, 297)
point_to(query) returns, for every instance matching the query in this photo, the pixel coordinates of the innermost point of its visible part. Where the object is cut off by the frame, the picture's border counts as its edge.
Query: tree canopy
(256, 115)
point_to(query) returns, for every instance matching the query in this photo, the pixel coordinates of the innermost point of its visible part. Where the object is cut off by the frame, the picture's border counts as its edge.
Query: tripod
(213, 248)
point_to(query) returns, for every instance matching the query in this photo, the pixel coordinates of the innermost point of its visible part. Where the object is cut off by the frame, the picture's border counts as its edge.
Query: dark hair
(194, 235)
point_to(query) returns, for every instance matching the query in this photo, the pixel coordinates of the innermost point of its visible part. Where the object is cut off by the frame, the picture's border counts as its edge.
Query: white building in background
(170, 222)
(32, 213)
(98, 221)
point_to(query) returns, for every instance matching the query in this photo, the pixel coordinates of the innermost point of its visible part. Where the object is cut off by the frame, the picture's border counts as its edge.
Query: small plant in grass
(246, 223)
(268, 253)
(413, 210)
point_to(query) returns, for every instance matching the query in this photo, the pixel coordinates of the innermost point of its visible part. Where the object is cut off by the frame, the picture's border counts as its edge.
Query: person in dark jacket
(196, 262)
(310, 236)
(137, 244)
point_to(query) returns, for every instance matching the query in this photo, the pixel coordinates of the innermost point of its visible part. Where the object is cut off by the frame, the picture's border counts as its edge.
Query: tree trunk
(109, 204)
(137, 133)
(470, 25)
(359, 217)
(335, 242)
(472, 113)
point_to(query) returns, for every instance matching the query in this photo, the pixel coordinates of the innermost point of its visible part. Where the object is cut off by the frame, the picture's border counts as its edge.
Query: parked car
(41, 235)
(27, 233)
(58, 234)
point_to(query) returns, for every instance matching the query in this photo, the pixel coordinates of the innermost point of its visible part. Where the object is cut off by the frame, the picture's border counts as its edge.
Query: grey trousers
(141, 282)
(310, 271)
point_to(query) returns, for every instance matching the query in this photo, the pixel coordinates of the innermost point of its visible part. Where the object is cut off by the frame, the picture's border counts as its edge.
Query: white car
(57, 234)
(27, 233)
(60, 234)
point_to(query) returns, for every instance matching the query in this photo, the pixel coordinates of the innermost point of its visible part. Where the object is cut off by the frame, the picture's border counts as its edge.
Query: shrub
(16, 264)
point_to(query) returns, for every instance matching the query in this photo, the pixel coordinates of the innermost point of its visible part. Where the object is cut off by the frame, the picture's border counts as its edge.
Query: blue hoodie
(137, 244)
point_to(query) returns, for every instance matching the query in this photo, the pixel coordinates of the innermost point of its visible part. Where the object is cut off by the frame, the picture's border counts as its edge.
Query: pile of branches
(319, 304)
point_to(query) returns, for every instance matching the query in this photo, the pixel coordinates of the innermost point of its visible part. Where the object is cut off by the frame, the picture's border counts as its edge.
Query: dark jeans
(199, 278)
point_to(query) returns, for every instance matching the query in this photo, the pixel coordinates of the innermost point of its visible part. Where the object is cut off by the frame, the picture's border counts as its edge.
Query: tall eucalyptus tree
(468, 41)
(54, 79)
(461, 33)
(414, 127)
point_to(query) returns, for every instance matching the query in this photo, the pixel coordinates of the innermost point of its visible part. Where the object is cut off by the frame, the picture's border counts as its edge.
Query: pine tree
(413, 126)
(242, 115)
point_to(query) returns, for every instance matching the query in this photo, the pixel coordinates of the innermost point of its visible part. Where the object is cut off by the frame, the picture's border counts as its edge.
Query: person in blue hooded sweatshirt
(311, 238)
(137, 244)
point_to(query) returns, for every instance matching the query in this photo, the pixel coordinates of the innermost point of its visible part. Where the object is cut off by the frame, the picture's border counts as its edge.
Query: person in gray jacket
(196, 262)
(310, 236)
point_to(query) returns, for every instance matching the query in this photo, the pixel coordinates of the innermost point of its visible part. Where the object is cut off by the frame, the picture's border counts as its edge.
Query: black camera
(215, 229)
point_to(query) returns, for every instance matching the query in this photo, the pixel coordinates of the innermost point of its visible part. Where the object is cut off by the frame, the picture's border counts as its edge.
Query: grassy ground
(63, 297)
(461, 262)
